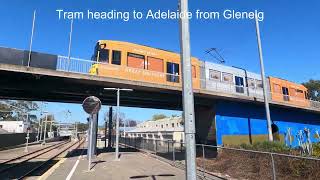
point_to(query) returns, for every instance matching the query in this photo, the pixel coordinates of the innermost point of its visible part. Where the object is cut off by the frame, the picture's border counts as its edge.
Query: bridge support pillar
(205, 124)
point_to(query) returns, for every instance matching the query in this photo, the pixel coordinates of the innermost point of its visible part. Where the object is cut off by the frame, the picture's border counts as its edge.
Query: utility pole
(187, 93)
(45, 130)
(265, 95)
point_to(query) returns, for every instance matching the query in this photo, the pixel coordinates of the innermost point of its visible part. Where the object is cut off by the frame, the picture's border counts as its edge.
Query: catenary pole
(187, 93)
(31, 40)
(265, 95)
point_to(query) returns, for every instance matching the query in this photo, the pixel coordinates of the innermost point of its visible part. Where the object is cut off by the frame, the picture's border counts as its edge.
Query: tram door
(239, 84)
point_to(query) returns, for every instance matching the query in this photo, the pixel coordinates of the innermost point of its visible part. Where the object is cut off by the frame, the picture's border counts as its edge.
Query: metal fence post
(168, 146)
(156, 146)
(203, 164)
(173, 153)
(273, 167)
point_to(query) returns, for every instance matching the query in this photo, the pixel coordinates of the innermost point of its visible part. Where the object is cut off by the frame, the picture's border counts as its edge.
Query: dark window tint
(103, 55)
(239, 84)
(116, 57)
(172, 72)
(285, 93)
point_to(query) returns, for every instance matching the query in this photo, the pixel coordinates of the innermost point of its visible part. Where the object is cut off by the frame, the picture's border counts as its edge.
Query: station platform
(132, 165)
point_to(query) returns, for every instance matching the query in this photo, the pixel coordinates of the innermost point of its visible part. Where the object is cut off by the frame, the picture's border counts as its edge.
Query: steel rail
(25, 160)
(50, 159)
(24, 155)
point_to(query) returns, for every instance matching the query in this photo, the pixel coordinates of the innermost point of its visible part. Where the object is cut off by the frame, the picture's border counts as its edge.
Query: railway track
(28, 164)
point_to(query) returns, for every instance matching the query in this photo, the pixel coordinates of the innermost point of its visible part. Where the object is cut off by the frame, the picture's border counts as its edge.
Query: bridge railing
(228, 162)
(83, 66)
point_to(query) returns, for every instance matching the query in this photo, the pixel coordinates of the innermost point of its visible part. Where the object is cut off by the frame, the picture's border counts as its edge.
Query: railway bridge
(221, 117)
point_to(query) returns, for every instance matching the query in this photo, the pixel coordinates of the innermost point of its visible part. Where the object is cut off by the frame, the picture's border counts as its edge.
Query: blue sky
(290, 34)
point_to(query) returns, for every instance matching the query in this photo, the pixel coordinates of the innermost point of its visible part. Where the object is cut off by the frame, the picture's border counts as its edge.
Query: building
(14, 126)
(170, 128)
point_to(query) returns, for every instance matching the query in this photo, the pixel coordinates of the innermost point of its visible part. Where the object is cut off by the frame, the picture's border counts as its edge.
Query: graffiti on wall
(303, 139)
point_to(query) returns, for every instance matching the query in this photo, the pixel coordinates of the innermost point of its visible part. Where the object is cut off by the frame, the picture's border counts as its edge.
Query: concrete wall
(238, 123)
(7, 140)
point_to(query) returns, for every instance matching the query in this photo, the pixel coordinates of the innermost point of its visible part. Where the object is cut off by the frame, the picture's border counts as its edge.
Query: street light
(117, 120)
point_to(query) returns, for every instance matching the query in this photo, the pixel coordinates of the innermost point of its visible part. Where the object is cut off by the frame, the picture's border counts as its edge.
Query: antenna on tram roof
(216, 55)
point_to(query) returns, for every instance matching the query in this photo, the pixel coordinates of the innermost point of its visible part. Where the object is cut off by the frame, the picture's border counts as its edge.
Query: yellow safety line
(52, 169)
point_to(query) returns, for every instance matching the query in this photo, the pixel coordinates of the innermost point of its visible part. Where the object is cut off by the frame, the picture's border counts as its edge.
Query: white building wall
(14, 126)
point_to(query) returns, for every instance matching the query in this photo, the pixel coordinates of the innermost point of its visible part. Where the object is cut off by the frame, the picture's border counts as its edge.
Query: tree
(15, 110)
(82, 127)
(158, 116)
(131, 123)
(114, 118)
(313, 88)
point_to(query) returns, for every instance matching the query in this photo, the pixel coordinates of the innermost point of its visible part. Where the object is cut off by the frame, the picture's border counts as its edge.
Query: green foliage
(12, 110)
(313, 88)
(316, 149)
(158, 116)
(267, 146)
(82, 127)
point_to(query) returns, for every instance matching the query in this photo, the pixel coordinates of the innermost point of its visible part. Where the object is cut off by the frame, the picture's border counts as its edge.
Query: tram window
(194, 74)
(251, 83)
(136, 60)
(227, 78)
(172, 72)
(293, 92)
(306, 95)
(259, 84)
(299, 91)
(239, 84)
(116, 57)
(277, 88)
(285, 93)
(155, 64)
(103, 55)
(214, 75)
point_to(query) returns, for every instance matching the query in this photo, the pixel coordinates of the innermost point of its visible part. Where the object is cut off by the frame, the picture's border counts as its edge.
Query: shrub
(267, 146)
(316, 149)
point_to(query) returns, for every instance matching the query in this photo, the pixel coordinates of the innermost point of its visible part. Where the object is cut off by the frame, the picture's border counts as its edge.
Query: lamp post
(117, 120)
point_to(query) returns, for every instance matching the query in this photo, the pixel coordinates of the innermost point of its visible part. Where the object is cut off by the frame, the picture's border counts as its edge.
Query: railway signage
(91, 105)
